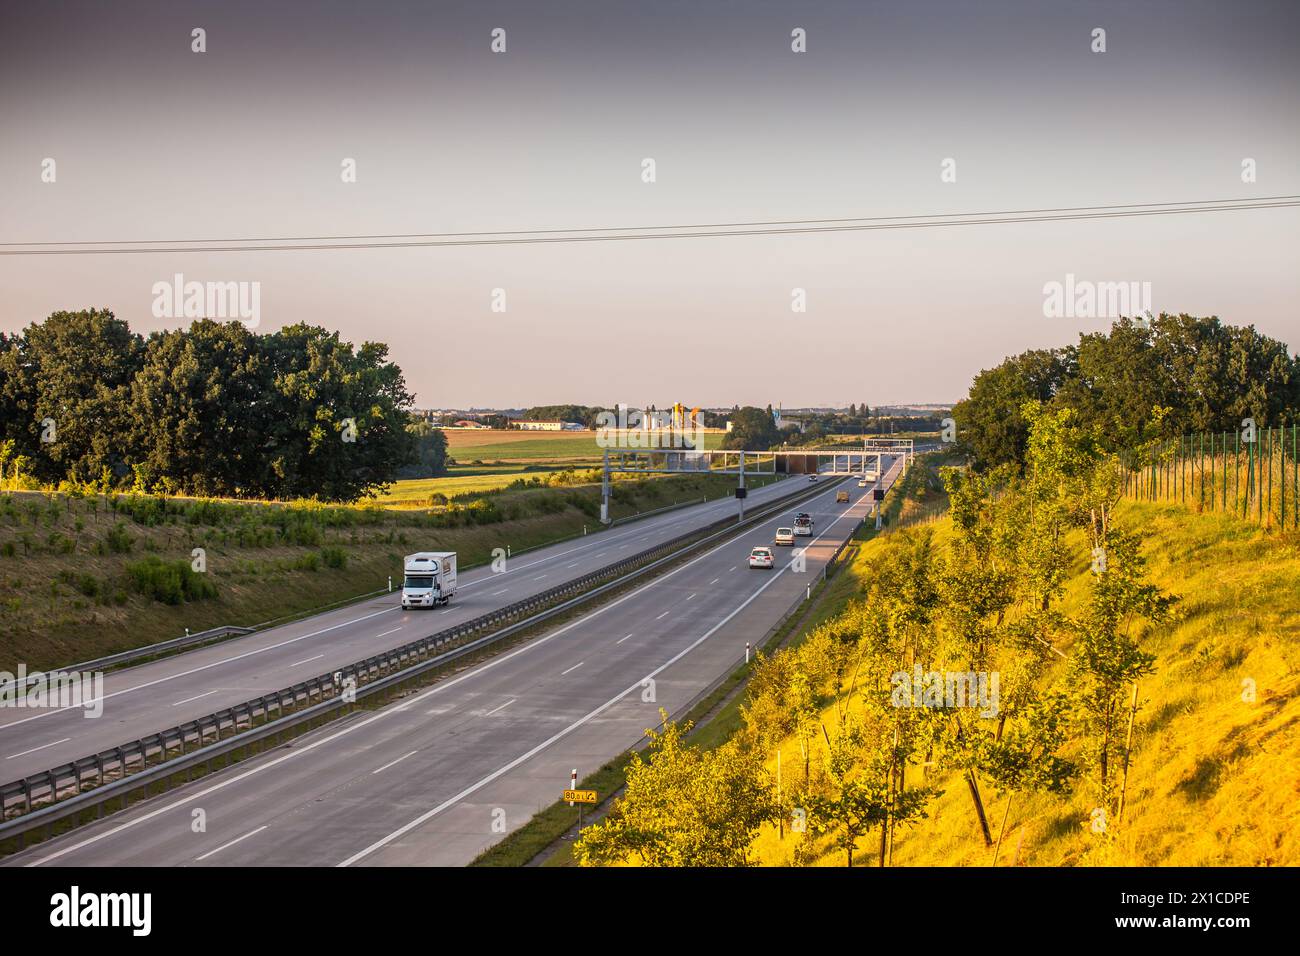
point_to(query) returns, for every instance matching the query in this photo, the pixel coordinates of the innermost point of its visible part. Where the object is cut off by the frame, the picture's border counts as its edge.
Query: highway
(440, 775)
(150, 697)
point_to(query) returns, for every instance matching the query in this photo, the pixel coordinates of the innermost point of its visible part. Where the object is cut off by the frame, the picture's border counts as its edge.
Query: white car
(761, 558)
(785, 536)
(803, 528)
(812, 477)
(863, 483)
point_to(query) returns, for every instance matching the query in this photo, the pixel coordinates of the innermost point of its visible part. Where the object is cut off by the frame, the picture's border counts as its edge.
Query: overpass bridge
(838, 462)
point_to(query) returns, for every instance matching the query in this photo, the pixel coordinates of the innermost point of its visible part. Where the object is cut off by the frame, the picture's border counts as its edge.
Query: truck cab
(430, 579)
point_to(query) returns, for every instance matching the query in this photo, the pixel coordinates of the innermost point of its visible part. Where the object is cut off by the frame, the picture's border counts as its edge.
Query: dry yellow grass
(1215, 779)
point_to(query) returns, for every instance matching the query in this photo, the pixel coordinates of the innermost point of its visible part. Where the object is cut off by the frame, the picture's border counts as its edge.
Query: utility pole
(604, 491)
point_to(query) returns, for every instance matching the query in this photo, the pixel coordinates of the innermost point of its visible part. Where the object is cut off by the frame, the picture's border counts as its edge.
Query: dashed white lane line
(41, 747)
(442, 687)
(386, 633)
(394, 763)
(573, 565)
(539, 577)
(662, 616)
(308, 660)
(204, 667)
(622, 639)
(231, 843)
(733, 569)
(572, 669)
(495, 593)
(714, 581)
(195, 697)
(497, 710)
(691, 596)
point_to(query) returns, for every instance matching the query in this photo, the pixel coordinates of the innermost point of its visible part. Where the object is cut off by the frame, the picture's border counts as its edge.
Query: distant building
(469, 423)
(536, 426)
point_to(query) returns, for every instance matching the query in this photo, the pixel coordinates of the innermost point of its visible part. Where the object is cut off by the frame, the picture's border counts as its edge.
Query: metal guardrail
(149, 650)
(63, 789)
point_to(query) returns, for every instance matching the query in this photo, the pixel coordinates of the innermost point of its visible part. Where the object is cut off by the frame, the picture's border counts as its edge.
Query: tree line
(212, 410)
(1143, 380)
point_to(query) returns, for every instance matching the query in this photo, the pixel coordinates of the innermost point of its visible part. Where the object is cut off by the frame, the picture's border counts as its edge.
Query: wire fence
(1252, 473)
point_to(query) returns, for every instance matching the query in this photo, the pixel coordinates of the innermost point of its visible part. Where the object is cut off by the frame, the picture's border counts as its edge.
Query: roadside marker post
(747, 652)
(573, 784)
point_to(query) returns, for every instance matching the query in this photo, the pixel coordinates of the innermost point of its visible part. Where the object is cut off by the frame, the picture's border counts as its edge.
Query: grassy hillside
(1213, 778)
(82, 577)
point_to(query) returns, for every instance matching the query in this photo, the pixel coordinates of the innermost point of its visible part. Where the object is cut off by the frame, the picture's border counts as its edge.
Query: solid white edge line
(380, 715)
(429, 814)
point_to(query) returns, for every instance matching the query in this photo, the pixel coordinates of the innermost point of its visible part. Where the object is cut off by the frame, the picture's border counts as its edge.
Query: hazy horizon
(153, 141)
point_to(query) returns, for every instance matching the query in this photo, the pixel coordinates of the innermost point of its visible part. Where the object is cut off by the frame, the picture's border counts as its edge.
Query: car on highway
(812, 477)
(803, 516)
(785, 536)
(761, 558)
(841, 496)
(803, 527)
(862, 483)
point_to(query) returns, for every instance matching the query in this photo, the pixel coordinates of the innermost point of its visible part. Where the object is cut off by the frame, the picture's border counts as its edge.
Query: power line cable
(627, 233)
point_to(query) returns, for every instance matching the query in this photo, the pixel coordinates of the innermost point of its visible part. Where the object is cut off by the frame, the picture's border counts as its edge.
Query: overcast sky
(154, 141)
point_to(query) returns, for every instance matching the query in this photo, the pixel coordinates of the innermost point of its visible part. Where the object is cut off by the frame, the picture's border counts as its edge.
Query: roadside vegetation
(1146, 711)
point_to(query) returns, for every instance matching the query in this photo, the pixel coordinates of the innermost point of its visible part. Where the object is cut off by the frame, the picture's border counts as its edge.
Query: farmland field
(496, 445)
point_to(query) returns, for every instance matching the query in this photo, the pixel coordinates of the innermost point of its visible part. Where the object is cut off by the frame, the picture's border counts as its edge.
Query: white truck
(430, 579)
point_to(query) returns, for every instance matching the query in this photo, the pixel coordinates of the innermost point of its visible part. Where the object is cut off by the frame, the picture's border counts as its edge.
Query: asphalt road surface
(437, 777)
(154, 696)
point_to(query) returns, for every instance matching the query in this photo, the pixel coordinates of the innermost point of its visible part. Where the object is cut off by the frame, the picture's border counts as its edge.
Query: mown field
(81, 577)
(490, 445)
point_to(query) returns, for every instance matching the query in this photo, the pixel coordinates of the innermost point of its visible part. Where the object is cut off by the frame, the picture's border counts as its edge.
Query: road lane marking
(495, 593)
(691, 596)
(714, 581)
(622, 639)
(204, 667)
(231, 843)
(418, 699)
(663, 615)
(497, 710)
(394, 763)
(41, 747)
(560, 734)
(308, 660)
(386, 633)
(572, 669)
(539, 577)
(333, 627)
(196, 697)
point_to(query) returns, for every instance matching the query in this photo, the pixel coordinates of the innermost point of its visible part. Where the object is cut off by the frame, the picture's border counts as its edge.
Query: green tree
(752, 428)
(683, 806)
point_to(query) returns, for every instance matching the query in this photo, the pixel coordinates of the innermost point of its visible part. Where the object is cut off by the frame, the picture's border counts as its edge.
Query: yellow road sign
(580, 796)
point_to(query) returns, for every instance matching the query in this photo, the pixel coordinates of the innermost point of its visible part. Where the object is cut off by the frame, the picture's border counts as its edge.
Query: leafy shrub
(169, 581)
(334, 557)
(118, 539)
